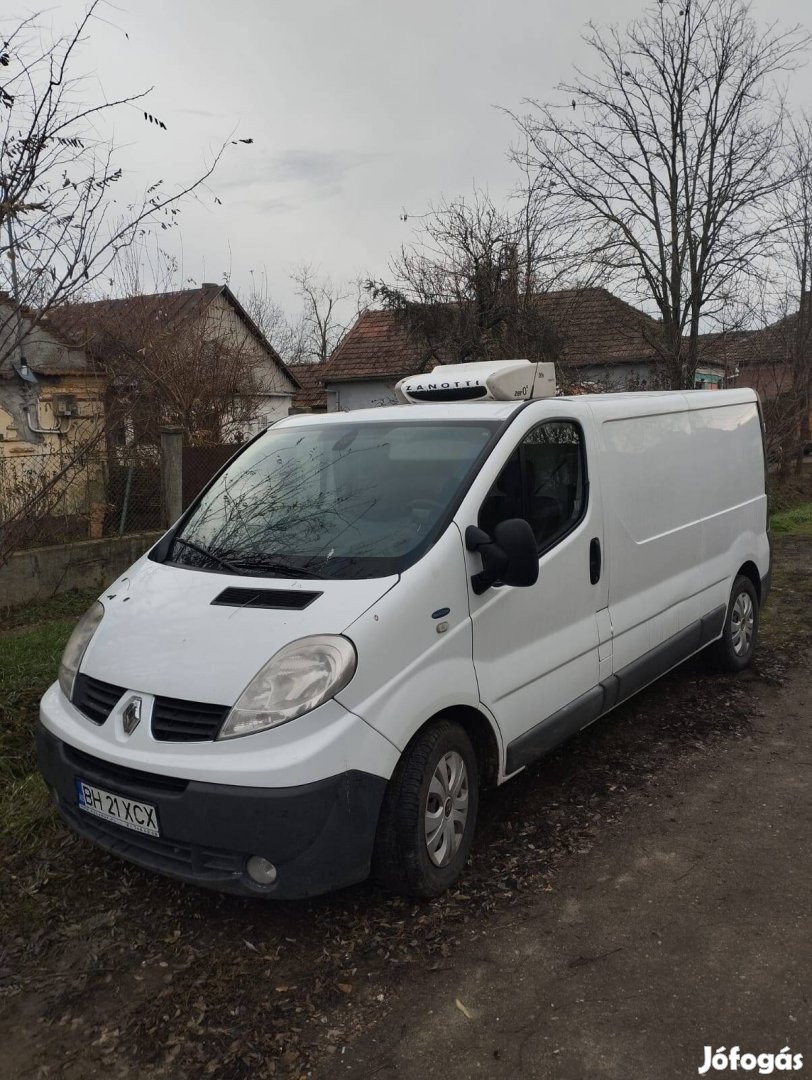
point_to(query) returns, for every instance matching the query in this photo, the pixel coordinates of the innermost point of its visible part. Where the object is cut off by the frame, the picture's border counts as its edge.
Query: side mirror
(510, 556)
(516, 538)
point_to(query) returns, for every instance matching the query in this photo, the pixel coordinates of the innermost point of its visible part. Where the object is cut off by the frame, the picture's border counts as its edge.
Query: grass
(65, 605)
(29, 659)
(796, 521)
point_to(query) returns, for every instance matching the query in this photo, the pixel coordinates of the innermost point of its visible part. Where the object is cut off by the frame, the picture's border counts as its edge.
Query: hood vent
(287, 599)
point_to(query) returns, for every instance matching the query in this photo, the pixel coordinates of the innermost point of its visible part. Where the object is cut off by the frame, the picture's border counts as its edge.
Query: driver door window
(543, 481)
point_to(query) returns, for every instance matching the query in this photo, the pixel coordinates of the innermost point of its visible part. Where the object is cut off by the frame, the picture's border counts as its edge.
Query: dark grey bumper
(319, 836)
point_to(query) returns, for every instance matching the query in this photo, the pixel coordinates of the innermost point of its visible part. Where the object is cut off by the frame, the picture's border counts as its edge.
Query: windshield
(333, 500)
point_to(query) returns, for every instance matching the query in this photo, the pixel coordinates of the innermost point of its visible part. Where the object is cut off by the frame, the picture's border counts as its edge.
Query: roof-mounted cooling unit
(495, 380)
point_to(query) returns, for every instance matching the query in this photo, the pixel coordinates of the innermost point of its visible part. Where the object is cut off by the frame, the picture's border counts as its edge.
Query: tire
(734, 649)
(411, 857)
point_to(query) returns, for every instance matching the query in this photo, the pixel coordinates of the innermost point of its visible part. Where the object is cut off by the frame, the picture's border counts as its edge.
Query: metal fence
(200, 463)
(55, 498)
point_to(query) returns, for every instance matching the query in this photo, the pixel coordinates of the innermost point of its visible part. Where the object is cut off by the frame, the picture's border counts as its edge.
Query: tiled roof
(93, 325)
(377, 346)
(79, 322)
(311, 396)
(595, 327)
(758, 358)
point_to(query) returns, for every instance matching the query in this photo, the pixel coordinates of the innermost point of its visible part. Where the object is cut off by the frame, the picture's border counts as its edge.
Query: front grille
(92, 768)
(289, 599)
(174, 720)
(157, 852)
(95, 699)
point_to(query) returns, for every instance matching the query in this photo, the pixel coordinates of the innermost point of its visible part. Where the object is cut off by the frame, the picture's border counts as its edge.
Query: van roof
(655, 401)
(485, 410)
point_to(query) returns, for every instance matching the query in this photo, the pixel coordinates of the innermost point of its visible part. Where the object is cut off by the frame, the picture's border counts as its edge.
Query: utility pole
(9, 209)
(15, 291)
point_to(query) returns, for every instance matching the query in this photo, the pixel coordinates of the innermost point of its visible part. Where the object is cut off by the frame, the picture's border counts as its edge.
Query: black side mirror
(516, 538)
(510, 556)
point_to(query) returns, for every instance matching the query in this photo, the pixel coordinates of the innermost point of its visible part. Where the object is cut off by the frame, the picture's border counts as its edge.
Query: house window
(543, 481)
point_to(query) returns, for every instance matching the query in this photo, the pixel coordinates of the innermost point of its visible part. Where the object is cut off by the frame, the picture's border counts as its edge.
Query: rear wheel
(427, 820)
(734, 650)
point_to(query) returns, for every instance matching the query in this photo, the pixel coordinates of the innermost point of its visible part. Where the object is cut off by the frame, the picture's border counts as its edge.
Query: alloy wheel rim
(446, 812)
(742, 624)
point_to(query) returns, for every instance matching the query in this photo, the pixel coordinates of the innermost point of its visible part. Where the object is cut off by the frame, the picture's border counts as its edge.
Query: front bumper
(319, 835)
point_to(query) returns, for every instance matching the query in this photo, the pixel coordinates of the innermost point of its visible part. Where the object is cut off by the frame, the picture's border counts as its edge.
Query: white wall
(360, 394)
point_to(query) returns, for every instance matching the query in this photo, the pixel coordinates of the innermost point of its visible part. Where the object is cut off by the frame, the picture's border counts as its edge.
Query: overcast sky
(356, 108)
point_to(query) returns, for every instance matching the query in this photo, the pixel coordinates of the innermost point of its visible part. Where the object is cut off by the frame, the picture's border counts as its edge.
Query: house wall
(360, 394)
(612, 377)
(32, 461)
(272, 397)
(616, 377)
(21, 401)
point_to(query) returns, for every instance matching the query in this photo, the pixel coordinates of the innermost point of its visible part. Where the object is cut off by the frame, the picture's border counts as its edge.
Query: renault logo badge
(132, 715)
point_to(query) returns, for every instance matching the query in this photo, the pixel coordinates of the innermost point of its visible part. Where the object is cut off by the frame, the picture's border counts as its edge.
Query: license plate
(141, 817)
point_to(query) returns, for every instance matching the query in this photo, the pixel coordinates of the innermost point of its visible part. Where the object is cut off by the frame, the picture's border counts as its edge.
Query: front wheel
(734, 649)
(429, 812)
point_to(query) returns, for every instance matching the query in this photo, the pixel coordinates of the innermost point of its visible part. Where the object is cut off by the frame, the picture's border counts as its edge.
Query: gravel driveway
(642, 893)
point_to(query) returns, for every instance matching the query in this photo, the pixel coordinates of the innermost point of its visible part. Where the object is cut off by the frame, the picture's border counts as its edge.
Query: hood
(161, 633)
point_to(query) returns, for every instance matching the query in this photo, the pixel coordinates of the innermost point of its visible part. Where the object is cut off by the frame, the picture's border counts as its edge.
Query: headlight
(298, 678)
(77, 644)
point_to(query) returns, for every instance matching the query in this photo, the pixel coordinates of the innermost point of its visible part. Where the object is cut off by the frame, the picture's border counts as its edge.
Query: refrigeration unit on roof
(493, 380)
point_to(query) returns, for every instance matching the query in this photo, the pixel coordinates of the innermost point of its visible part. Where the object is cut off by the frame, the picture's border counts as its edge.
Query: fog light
(260, 870)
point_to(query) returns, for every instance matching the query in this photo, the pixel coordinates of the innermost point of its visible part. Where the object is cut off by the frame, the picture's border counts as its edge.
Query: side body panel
(731, 486)
(685, 508)
(409, 668)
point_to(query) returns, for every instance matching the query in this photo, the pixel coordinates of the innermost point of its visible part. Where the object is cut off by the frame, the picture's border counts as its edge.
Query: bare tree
(285, 334)
(174, 358)
(468, 286)
(795, 205)
(669, 151)
(313, 332)
(59, 232)
(328, 310)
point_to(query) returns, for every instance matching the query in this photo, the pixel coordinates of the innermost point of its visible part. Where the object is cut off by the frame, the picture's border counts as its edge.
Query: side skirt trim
(604, 697)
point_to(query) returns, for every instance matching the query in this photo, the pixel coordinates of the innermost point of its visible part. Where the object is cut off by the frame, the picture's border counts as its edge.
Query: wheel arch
(750, 571)
(480, 731)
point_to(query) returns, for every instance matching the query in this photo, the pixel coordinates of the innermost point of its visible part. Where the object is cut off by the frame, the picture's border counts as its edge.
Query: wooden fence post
(171, 474)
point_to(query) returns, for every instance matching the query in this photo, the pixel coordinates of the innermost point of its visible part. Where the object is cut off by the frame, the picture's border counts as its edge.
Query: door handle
(595, 560)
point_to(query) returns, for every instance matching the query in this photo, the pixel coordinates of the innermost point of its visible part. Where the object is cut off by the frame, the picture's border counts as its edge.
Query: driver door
(536, 649)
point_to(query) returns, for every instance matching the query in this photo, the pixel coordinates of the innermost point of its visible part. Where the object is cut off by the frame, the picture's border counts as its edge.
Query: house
(608, 343)
(376, 352)
(51, 396)
(311, 397)
(603, 342)
(763, 358)
(52, 421)
(776, 361)
(189, 350)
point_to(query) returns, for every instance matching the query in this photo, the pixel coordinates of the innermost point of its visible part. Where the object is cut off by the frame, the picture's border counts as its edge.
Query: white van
(366, 617)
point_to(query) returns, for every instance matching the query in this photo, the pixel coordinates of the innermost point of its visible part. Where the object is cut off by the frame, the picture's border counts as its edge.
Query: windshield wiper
(207, 554)
(275, 566)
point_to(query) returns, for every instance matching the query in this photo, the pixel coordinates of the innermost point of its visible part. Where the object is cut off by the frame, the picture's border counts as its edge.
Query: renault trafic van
(368, 616)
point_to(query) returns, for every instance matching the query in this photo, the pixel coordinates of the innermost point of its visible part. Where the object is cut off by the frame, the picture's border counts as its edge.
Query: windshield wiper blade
(207, 554)
(275, 566)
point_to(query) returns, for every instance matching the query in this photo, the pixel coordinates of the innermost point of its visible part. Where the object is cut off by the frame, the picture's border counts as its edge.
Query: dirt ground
(639, 895)
(687, 925)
